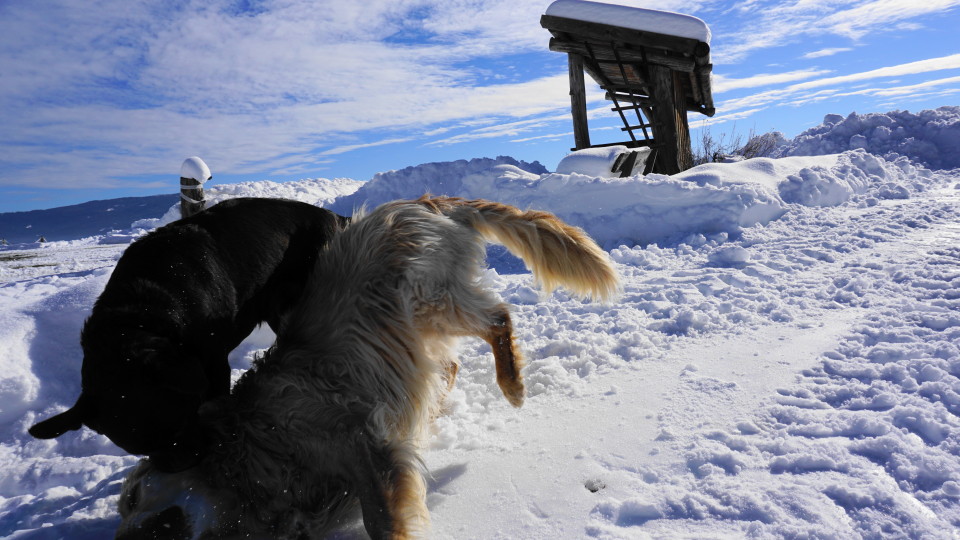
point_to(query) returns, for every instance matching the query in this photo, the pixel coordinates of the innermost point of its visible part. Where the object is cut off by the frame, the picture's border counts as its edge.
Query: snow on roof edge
(646, 20)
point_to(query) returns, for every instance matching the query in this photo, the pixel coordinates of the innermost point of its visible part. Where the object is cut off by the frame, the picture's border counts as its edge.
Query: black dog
(180, 299)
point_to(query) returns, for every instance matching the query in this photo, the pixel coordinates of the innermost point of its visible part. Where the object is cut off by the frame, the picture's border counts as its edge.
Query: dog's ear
(69, 420)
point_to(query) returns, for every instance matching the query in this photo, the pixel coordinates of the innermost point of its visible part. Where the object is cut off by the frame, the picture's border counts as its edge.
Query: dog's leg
(473, 311)
(480, 314)
(452, 369)
(392, 492)
(508, 360)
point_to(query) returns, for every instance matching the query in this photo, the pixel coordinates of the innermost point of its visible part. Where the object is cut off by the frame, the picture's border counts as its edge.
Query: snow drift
(930, 138)
(709, 199)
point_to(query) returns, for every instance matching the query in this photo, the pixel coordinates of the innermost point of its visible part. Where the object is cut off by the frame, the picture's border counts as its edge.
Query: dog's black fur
(179, 300)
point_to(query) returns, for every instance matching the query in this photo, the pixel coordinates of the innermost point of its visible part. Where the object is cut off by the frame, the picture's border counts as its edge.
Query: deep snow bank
(441, 178)
(930, 137)
(709, 199)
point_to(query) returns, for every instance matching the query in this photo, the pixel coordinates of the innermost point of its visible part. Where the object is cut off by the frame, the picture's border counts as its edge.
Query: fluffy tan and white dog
(335, 412)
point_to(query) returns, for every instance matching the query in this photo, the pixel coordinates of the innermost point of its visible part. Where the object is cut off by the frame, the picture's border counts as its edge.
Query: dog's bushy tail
(558, 254)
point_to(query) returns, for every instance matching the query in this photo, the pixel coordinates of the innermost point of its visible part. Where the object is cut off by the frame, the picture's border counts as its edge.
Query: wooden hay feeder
(652, 77)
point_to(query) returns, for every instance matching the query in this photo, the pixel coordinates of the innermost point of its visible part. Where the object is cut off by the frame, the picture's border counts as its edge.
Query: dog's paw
(514, 391)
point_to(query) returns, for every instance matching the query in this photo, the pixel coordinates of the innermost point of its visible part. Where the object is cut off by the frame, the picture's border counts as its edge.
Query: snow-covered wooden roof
(646, 20)
(617, 43)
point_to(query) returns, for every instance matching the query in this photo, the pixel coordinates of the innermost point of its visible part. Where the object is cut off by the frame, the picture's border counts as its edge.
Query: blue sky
(106, 98)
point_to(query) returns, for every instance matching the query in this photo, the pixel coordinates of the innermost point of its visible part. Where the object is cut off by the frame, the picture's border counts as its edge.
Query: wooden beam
(629, 144)
(603, 51)
(670, 117)
(578, 102)
(636, 106)
(684, 149)
(640, 126)
(702, 74)
(701, 92)
(636, 99)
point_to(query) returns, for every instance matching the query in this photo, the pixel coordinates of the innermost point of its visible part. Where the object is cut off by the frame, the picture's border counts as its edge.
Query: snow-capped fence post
(193, 173)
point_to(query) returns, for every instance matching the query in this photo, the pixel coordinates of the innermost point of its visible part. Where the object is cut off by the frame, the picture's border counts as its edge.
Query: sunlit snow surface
(783, 361)
(647, 20)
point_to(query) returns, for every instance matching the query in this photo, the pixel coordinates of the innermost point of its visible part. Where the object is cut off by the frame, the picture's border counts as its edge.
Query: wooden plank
(603, 52)
(642, 101)
(684, 149)
(695, 88)
(629, 144)
(636, 99)
(631, 107)
(701, 93)
(666, 118)
(606, 33)
(578, 102)
(703, 79)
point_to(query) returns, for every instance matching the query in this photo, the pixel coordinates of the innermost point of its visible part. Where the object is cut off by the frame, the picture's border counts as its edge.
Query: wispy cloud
(909, 68)
(724, 118)
(875, 15)
(722, 84)
(904, 90)
(826, 52)
(778, 23)
(807, 89)
(122, 88)
(352, 147)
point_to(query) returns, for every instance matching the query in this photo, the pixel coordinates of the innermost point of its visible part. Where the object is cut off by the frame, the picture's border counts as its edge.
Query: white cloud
(910, 68)
(806, 90)
(721, 84)
(777, 23)
(909, 91)
(352, 147)
(878, 14)
(129, 86)
(723, 118)
(826, 52)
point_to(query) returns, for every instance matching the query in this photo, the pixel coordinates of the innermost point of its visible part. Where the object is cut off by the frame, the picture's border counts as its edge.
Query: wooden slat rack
(652, 79)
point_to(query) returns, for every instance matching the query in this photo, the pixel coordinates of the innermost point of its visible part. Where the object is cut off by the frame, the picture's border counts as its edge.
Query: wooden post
(684, 149)
(578, 102)
(671, 131)
(193, 173)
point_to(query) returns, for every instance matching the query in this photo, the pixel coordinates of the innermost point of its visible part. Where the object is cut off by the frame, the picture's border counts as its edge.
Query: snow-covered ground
(784, 361)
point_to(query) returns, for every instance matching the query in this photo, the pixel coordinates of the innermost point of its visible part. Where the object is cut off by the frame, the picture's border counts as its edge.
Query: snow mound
(319, 192)
(441, 178)
(714, 198)
(602, 161)
(929, 137)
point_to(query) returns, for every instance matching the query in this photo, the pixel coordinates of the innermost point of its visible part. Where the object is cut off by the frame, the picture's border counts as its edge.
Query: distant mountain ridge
(81, 220)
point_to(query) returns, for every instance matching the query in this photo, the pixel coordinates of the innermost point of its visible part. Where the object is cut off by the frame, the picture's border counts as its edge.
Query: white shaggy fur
(335, 412)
